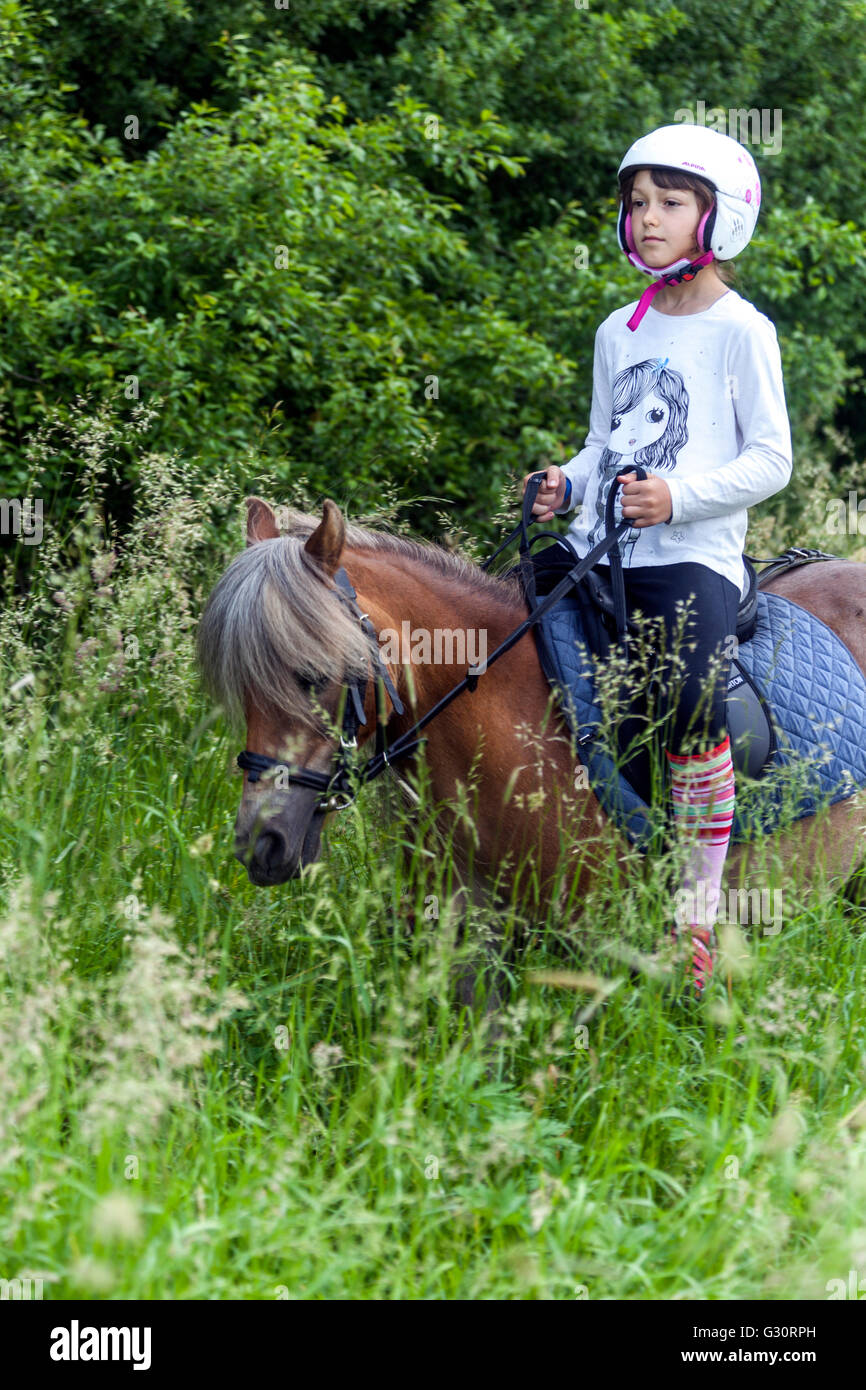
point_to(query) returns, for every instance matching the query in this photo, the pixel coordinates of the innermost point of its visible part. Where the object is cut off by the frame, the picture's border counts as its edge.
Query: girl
(688, 383)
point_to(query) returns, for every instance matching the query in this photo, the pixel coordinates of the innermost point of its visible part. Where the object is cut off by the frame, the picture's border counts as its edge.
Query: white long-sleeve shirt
(698, 399)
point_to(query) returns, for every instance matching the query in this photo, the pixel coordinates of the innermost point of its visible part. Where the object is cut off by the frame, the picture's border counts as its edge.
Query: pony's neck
(435, 622)
(504, 738)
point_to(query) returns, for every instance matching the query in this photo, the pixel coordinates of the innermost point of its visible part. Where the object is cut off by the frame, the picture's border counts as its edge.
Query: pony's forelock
(273, 621)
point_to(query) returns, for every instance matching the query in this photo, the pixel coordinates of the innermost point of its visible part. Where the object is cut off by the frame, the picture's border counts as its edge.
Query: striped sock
(703, 795)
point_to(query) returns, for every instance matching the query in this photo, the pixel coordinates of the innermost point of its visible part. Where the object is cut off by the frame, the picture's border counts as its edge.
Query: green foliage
(341, 238)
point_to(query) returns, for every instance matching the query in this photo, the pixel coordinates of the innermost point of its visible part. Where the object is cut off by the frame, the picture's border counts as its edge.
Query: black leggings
(697, 722)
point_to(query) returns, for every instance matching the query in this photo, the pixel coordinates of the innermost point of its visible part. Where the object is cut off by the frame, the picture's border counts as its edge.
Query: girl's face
(663, 221)
(639, 427)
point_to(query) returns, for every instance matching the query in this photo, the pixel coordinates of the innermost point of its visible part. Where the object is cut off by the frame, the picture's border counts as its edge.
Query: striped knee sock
(703, 794)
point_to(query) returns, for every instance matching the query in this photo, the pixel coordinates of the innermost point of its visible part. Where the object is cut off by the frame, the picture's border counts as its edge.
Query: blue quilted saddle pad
(814, 688)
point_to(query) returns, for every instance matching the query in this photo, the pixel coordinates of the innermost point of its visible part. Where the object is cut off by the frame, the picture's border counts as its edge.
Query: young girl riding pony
(687, 382)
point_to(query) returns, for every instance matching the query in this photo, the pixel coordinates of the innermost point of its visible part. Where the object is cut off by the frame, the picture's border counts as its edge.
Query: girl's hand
(551, 494)
(646, 503)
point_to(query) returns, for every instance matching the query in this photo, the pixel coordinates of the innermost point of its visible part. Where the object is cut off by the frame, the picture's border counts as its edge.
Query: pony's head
(276, 646)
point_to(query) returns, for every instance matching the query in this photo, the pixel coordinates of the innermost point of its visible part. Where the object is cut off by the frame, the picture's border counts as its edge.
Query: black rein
(339, 782)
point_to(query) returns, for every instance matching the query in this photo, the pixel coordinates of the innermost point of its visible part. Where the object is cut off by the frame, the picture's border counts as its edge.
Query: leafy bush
(340, 239)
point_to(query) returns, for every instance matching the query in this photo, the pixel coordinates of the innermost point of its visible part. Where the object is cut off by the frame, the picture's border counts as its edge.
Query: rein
(343, 781)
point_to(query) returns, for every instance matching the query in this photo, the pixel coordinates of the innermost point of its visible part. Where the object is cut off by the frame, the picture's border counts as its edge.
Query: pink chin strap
(688, 271)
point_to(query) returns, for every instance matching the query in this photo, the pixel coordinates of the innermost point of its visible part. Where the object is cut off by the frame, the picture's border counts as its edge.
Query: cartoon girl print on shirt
(648, 427)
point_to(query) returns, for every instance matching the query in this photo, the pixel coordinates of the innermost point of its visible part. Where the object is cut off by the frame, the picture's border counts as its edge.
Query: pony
(276, 647)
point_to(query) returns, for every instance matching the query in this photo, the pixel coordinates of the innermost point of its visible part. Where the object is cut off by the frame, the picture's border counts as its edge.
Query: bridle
(338, 782)
(339, 787)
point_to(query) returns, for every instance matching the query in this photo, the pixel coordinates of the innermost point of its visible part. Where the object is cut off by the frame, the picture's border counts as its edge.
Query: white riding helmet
(721, 162)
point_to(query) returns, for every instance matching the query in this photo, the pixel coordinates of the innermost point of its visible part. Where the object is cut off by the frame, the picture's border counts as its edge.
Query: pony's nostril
(269, 849)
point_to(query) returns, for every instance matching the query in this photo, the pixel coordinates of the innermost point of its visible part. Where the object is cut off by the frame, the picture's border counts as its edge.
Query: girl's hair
(671, 178)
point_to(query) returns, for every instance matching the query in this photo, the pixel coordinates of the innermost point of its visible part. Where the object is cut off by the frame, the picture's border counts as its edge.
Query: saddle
(749, 717)
(599, 614)
(750, 725)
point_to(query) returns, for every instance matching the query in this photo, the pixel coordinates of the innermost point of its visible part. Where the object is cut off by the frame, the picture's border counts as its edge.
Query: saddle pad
(816, 693)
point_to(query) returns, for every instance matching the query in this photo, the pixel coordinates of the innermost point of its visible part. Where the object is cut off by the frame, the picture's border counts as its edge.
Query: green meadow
(212, 1091)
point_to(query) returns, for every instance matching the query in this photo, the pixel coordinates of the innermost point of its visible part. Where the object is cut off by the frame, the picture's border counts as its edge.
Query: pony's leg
(483, 982)
(484, 985)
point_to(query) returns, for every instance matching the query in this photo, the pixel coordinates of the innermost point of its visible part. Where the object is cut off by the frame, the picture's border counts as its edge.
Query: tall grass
(214, 1091)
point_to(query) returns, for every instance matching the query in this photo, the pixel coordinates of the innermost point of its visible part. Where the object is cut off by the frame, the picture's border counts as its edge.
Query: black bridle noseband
(338, 782)
(338, 787)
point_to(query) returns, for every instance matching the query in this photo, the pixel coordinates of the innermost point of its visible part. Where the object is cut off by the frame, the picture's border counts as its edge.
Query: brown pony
(273, 633)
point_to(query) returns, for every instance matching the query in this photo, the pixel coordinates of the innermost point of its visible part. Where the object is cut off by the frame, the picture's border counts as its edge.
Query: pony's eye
(616, 422)
(655, 415)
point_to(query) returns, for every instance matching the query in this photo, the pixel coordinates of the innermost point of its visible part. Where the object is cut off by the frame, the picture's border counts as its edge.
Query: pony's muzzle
(275, 844)
(267, 859)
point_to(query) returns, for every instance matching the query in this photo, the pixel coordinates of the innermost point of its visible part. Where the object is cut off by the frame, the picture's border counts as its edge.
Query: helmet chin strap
(687, 271)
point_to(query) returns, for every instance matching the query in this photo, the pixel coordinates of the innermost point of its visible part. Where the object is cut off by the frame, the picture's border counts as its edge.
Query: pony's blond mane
(263, 635)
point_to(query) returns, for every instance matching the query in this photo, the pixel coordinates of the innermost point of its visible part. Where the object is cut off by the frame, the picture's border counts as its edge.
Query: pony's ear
(325, 545)
(261, 522)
